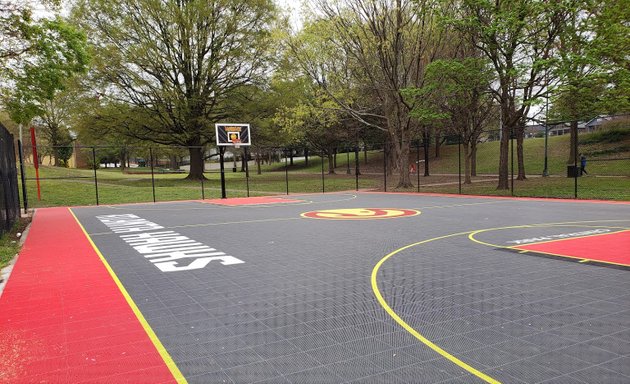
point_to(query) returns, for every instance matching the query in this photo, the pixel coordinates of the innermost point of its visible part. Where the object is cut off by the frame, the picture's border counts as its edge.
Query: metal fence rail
(9, 198)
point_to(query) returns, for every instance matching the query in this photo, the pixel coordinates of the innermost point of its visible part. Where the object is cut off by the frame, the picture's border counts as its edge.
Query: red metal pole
(36, 163)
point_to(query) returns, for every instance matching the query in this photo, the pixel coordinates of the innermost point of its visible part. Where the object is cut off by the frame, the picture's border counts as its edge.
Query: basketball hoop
(237, 143)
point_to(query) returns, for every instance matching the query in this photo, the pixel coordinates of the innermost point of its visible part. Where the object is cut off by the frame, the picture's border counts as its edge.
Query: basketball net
(237, 143)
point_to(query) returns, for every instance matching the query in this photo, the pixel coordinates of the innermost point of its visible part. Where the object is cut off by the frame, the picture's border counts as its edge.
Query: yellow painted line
(584, 261)
(147, 328)
(410, 329)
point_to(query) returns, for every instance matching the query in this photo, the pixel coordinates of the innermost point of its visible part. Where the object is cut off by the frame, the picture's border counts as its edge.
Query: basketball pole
(221, 153)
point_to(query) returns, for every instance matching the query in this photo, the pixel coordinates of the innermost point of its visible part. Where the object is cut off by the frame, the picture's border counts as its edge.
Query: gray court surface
(301, 307)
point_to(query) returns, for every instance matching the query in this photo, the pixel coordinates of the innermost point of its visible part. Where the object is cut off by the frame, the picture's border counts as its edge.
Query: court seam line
(212, 224)
(166, 357)
(213, 206)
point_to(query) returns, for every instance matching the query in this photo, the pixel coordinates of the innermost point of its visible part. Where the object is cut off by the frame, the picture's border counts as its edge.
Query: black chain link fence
(547, 167)
(9, 198)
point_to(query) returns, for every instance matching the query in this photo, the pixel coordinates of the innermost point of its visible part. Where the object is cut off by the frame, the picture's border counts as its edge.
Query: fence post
(459, 161)
(246, 154)
(203, 166)
(286, 169)
(348, 161)
(417, 167)
(323, 179)
(385, 167)
(512, 161)
(95, 178)
(575, 162)
(221, 158)
(22, 176)
(356, 167)
(152, 173)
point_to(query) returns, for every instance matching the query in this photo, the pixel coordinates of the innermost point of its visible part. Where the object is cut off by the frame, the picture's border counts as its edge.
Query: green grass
(10, 243)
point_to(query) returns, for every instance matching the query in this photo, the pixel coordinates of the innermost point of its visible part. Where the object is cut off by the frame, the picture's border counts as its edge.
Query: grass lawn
(9, 242)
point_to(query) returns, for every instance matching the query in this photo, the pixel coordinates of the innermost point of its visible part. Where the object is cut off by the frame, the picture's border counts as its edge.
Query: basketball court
(334, 288)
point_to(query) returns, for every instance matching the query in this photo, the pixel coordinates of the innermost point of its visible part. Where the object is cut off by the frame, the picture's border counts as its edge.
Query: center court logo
(360, 213)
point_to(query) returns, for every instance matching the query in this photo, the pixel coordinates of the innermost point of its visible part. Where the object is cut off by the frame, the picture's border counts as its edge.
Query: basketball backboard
(229, 134)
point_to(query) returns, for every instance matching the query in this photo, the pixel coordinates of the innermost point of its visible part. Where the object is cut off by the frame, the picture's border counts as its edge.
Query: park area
(324, 191)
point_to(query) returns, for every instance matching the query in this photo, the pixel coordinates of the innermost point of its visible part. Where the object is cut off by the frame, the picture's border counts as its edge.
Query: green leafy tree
(363, 53)
(457, 92)
(592, 77)
(518, 38)
(179, 62)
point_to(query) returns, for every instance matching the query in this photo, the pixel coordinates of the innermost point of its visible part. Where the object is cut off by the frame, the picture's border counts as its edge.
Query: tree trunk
(335, 157)
(123, 160)
(258, 167)
(196, 163)
(467, 163)
(306, 157)
(519, 155)
(365, 151)
(503, 158)
(401, 151)
(573, 142)
(425, 143)
(291, 157)
(331, 163)
(473, 158)
(174, 164)
(438, 142)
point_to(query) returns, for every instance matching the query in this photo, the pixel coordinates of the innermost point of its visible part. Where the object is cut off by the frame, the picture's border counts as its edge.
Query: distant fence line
(9, 197)
(433, 167)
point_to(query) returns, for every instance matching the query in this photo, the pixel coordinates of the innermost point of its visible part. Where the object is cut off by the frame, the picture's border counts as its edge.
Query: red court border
(64, 319)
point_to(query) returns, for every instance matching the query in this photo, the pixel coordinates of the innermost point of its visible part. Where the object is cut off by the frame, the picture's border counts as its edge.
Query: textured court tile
(252, 372)
(319, 375)
(383, 378)
(621, 365)
(429, 372)
(559, 362)
(276, 349)
(237, 358)
(589, 353)
(600, 375)
(487, 357)
(355, 368)
(294, 363)
(331, 354)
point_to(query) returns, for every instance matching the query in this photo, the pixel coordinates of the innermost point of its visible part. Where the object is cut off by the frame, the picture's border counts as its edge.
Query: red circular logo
(360, 213)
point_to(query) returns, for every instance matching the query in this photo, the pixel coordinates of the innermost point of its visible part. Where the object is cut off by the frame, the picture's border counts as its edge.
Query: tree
(179, 61)
(458, 91)
(319, 124)
(592, 77)
(56, 52)
(518, 37)
(381, 47)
